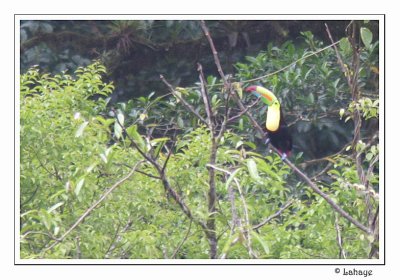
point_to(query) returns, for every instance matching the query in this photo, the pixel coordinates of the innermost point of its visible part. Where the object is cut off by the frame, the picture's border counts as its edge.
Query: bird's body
(281, 138)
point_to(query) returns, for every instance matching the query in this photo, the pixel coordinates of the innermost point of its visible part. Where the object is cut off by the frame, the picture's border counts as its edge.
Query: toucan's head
(274, 111)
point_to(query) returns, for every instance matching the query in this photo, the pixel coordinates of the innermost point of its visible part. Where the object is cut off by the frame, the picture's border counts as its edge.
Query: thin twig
(342, 253)
(39, 232)
(206, 99)
(235, 218)
(215, 53)
(166, 160)
(113, 241)
(148, 174)
(183, 241)
(275, 215)
(91, 208)
(138, 171)
(244, 111)
(118, 237)
(78, 247)
(339, 58)
(212, 193)
(184, 102)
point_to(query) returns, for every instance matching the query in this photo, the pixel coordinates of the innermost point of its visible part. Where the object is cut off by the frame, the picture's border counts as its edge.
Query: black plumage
(281, 138)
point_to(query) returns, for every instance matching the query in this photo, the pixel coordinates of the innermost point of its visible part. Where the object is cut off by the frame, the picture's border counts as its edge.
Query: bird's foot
(283, 156)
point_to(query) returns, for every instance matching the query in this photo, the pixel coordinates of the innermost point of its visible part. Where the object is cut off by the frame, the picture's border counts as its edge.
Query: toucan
(276, 127)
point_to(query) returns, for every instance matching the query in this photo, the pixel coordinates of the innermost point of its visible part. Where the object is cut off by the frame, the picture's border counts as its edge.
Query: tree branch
(215, 53)
(275, 215)
(183, 241)
(206, 100)
(117, 238)
(212, 195)
(342, 253)
(339, 58)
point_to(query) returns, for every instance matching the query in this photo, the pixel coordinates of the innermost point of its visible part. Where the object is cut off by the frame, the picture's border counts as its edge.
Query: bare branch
(342, 253)
(206, 99)
(235, 218)
(118, 237)
(78, 247)
(244, 111)
(183, 241)
(339, 58)
(215, 53)
(167, 159)
(148, 174)
(39, 232)
(275, 215)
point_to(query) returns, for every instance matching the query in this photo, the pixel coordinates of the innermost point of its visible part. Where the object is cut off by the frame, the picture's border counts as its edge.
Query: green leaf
(341, 113)
(238, 144)
(228, 243)
(251, 145)
(241, 124)
(80, 130)
(252, 166)
(121, 117)
(117, 130)
(180, 122)
(104, 158)
(261, 241)
(344, 45)
(54, 207)
(161, 142)
(46, 218)
(79, 186)
(134, 134)
(158, 140)
(366, 36)
(118, 124)
(231, 177)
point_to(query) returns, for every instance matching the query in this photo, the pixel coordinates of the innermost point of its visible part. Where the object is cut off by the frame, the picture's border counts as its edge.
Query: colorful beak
(266, 95)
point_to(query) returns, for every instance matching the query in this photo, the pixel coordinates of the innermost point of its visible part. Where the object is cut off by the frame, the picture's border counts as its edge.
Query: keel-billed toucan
(278, 132)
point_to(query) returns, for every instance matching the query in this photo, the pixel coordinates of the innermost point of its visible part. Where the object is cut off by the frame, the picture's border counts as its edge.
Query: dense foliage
(135, 52)
(75, 147)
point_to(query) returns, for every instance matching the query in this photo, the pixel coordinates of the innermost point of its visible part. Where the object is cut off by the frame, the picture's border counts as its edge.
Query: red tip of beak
(251, 88)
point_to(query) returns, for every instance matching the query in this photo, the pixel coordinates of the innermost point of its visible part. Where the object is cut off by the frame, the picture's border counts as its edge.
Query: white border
(18, 260)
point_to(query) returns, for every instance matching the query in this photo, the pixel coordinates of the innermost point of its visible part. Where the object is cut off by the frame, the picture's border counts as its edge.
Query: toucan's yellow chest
(273, 116)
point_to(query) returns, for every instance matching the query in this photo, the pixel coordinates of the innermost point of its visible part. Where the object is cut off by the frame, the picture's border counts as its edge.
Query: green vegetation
(202, 183)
